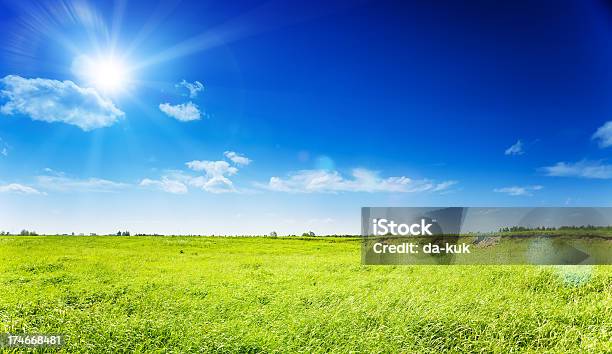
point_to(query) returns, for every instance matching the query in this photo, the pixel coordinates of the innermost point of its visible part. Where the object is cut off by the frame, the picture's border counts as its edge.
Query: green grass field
(190, 294)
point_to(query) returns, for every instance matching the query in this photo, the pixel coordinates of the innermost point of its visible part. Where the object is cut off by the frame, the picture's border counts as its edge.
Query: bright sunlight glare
(107, 74)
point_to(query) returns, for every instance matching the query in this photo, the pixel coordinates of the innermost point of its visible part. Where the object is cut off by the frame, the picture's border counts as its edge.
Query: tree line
(272, 234)
(547, 228)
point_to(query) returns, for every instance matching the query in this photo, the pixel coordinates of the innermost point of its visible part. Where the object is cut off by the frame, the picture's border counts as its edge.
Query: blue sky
(247, 117)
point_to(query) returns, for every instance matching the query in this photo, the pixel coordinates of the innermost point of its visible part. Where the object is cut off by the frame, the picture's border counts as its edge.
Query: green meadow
(249, 295)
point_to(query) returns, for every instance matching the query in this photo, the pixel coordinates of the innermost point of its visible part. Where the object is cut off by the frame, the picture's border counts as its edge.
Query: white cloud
(184, 112)
(518, 191)
(604, 135)
(516, 149)
(193, 88)
(362, 180)
(212, 168)
(166, 185)
(18, 188)
(216, 176)
(217, 184)
(57, 101)
(582, 169)
(237, 158)
(3, 148)
(67, 184)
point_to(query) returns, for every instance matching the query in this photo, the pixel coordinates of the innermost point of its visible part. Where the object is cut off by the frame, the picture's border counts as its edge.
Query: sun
(107, 74)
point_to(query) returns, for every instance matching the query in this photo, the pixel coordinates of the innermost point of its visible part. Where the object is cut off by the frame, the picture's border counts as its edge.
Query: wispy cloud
(581, 169)
(516, 149)
(57, 101)
(61, 183)
(443, 186)
(604, 135)
(18, 188)
(4, 148)
(194, 88)
(184, 112)
(53, 172)
(165, 184)
(516, 191)
(236, 158)
(361, 180)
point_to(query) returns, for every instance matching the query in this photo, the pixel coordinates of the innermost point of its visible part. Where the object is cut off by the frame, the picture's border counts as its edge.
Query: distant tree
(309, 233)
(125, 233)
(118, 233)
(273, 234)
